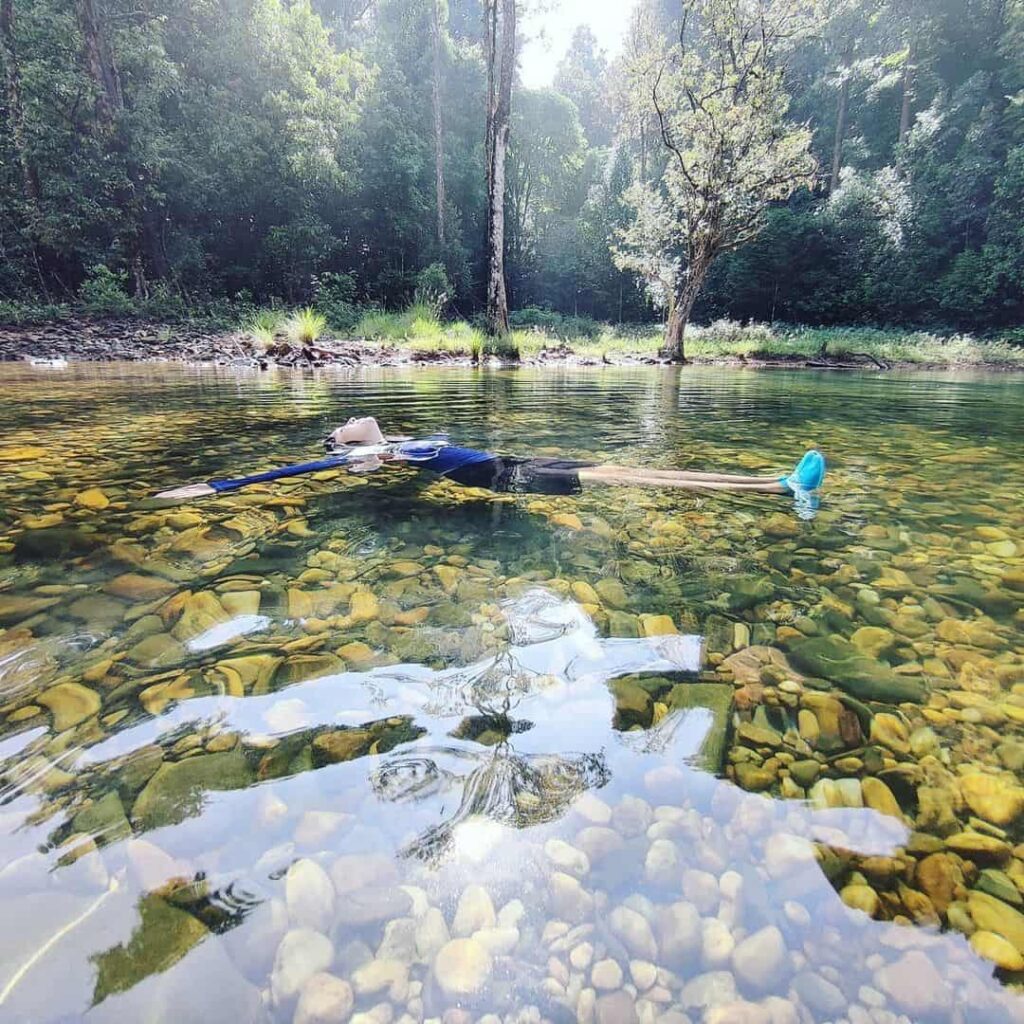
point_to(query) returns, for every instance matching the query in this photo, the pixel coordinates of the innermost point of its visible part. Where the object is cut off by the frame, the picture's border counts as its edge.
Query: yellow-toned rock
(136, 587)
(363, 606)
(200, 612)
(448, 575)
(657, 625)
(1003, 549)
(879, 797)
(155, 698)
(873, 640)
(300, 604)
(891, 732)
(981, 848)
(566, 519)
(861, 897)
(356, 653)
(23, 714)
(992, 797)
(69, 703)
(412, 617)
(994, 915)
(404, 569)
(241, 602)
(995, 948)
(254, 670)
(22, 453)
(92, 498)
(183, 520)
(585, 593)
(42, 522)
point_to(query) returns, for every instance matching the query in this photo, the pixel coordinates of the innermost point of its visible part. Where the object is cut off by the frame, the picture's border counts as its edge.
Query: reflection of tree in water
(519, 790)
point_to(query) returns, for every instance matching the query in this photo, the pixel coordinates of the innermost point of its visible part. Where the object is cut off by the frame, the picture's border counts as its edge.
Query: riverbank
(82, 338)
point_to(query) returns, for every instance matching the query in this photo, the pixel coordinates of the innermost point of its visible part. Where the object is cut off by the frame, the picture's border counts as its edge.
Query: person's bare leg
(624, 476)
(686, 474)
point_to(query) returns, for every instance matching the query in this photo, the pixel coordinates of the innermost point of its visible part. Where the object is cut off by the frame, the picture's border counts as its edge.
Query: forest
(163, 154)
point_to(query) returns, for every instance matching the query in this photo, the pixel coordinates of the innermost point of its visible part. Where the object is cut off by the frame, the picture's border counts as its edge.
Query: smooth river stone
(566, 857)
(606, 975)
(462, 967)
(759, 961)
(879, 797)
(569, 900)
(431, 934)
(309, 896)
(992, 797)
(635, 933)
(136, 587)
(301, 954)
(325, 999)
(679, 935)
(915, 986)
(200, 613)
(474, 911)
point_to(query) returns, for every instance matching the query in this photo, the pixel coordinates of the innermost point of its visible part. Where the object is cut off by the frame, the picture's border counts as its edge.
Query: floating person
(361, 446)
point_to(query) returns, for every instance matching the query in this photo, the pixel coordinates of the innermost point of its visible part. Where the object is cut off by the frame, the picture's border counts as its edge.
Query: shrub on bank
(556, 325)
(105, 292)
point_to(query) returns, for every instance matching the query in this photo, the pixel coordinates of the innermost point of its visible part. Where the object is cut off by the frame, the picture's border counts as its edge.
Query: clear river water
(385, 749)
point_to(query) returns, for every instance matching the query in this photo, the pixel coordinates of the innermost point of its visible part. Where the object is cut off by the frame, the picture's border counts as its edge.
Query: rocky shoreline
(99, 339)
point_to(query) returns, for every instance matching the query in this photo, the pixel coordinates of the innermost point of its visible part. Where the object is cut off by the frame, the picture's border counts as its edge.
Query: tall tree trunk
(438, 127)
(498, 117)
(841, 112)
(686, 292)
(99, 62)
(15, 110)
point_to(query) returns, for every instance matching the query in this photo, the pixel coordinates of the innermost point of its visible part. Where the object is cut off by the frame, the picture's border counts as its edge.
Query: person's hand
(365, 465)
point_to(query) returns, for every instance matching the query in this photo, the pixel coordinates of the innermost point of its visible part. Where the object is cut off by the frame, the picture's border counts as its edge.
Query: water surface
(388, 748)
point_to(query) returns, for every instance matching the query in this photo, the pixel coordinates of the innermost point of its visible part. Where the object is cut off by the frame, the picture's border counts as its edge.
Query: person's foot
(808, 473)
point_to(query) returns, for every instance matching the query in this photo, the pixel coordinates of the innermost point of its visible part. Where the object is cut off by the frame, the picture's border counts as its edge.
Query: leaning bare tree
(500, 45)
(719, 97)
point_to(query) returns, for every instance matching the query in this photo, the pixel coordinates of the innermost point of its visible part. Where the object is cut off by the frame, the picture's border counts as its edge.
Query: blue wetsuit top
(443, 460)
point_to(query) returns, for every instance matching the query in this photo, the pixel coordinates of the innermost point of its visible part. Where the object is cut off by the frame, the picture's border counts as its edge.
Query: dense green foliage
(281, 152)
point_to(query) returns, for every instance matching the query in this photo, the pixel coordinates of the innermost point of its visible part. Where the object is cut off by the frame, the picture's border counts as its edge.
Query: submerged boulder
(162, 937)
(836, 659)
(177, 789)
(716, 698)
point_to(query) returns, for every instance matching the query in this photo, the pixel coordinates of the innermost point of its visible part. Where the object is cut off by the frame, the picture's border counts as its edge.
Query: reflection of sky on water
(462, 818)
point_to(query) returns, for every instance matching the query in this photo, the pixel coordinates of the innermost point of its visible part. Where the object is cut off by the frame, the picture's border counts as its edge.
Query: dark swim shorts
(511, 475)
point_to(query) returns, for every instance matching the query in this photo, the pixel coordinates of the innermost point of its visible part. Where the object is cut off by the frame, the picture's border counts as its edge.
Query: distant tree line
(298, 150)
